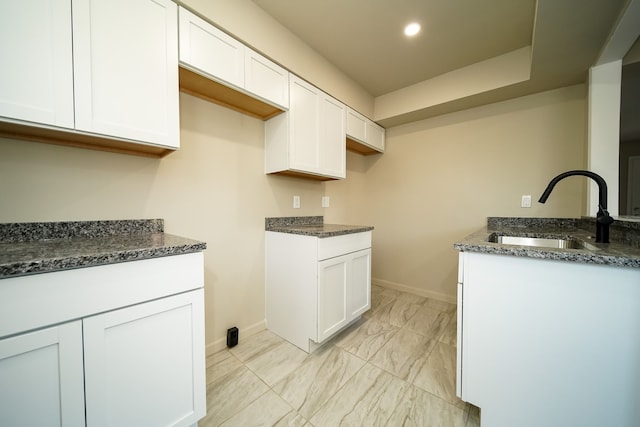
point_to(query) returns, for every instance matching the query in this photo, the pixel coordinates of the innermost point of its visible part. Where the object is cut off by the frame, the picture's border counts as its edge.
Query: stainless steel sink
(542, 242)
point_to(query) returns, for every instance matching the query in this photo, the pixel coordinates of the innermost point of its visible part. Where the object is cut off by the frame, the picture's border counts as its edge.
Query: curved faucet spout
(603, 219)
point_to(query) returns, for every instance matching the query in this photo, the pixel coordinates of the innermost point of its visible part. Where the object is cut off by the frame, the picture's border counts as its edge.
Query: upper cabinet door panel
(332, 134)
(305, 123)
(356, 125)
(125, 66)
(266, 79)
(375, 136)
(205, 48)
(36, 76)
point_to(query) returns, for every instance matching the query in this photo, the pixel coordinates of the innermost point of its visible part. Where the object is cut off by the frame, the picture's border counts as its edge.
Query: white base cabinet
(141, 367)
(315, 286)
(548, 343)
(129, 352)
(41, 378)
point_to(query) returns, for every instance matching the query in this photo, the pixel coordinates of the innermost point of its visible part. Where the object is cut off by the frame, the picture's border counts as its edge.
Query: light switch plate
(296, 202)
(325, 201)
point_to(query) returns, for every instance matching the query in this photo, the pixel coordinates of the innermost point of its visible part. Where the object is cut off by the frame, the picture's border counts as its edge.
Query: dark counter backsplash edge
(626, 232)
(292, 221)
(29, 231)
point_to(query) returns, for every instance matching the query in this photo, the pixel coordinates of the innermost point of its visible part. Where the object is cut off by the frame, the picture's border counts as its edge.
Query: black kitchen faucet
(603, 220)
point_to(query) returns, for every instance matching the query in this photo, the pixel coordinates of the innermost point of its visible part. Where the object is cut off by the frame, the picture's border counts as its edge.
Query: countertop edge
(617, 254)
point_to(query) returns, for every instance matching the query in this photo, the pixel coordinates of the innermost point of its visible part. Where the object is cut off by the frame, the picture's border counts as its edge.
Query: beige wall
(244, 20)
(440, 178)
(438, 181)
(213, 189)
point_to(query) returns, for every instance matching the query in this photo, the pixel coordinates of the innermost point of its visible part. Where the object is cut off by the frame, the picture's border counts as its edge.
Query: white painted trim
(247, 331)
(604, 132)
(412, 290)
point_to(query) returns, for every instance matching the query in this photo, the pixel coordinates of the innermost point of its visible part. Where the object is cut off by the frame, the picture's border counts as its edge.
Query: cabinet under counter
(317, 278)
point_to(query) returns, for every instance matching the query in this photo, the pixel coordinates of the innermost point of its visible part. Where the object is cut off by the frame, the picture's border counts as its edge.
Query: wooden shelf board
(204, 88)
(74, 139)
(357, 147)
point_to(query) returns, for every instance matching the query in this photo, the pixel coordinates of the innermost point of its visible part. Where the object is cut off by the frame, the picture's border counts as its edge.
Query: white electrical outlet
(325, 201)
(296, 202)
(526, 201)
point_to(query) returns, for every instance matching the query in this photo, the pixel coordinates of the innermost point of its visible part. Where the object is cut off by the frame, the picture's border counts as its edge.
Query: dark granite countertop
(30, 248)
(623, 251)
(311, 226)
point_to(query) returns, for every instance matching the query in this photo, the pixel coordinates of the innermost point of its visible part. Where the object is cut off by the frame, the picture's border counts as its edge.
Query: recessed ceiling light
(412, 29)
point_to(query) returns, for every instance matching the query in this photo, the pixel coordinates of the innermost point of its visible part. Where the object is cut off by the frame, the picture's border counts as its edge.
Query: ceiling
(364, 39)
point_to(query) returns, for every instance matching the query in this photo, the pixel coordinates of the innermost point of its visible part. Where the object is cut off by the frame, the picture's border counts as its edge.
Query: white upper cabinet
(363, 135)
(36, 76)
(125, 65)
(209, 52)
(266, 79)
(307, 140)
(99, 74)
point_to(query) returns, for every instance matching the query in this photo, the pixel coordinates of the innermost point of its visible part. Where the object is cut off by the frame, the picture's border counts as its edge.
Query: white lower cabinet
(41, 378)
(316, 286)
(140, 363)
(141, 367)
(344, 285)
(548, 343)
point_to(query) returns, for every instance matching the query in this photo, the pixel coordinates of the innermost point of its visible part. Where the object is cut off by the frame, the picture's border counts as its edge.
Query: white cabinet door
(36, 76)
(144, 365)
(364, 131)
(375, 136)
(309, 139)
(210, 51)
(41, 378)
(333, 282)
(356, 125)
(126, 80)
(305, 125)
(332, 151)
(359, 299)
(266, 79)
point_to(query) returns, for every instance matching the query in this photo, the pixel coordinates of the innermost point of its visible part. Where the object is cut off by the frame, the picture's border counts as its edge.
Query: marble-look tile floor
(393, 367)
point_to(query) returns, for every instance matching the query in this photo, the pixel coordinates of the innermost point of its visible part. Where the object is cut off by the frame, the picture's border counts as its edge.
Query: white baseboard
(416, 291)
(243, 332)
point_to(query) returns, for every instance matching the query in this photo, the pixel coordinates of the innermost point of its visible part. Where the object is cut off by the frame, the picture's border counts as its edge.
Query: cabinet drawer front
(330, 247)
(30, 302)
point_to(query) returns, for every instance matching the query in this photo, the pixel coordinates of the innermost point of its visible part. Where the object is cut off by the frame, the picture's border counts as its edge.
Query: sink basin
(541, 242)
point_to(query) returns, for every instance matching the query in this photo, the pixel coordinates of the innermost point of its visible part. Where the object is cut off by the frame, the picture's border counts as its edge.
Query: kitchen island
(101, 323)
(550, 336)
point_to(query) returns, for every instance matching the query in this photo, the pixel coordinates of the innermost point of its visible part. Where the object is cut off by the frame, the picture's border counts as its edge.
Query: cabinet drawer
(330, 247)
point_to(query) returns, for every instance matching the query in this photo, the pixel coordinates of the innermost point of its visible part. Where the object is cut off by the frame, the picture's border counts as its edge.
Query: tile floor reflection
(394, 367)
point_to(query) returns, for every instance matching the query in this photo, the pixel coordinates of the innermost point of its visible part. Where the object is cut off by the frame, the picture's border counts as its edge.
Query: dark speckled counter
(30, 248)
(311, 226)
(623, 251)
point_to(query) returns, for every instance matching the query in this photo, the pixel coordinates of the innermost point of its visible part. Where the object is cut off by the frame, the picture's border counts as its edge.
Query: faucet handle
(603, 217)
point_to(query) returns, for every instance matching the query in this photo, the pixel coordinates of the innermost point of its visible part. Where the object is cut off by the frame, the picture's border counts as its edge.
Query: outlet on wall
(296, 202)
(325, 201)
(526, 201)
